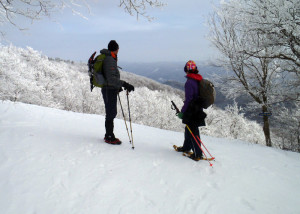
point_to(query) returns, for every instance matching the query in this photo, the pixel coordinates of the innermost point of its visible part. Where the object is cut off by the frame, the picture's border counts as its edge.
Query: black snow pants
(189, 141)
(110, 100)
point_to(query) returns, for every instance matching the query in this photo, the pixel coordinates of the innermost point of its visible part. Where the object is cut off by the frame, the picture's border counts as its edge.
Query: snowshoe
(192, 156)
(180, 149)
(208, 159)
(196, 158)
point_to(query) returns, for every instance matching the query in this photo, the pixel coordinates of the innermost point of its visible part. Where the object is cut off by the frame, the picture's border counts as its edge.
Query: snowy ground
(52, 161)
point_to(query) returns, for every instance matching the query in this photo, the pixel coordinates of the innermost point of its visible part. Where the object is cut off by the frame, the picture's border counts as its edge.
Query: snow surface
(54, 161)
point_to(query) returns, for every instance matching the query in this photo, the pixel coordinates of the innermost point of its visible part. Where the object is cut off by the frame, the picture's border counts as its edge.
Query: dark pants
(189, 141)
(110, 101)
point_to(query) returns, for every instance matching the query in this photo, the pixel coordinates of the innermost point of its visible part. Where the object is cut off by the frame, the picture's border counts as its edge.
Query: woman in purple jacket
(187, 113)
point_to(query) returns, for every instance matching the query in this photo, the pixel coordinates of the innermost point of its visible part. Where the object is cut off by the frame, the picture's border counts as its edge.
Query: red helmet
(190, 66)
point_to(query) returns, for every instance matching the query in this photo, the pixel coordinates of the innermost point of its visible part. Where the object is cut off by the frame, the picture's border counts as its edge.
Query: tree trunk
(298, 137)
(266, 126)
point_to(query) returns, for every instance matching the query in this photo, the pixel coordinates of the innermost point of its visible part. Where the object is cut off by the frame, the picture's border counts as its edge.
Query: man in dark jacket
(110, 91)
(192, 115)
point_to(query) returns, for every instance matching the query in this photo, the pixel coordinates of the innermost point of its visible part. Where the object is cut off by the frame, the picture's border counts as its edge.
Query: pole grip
(174, 107)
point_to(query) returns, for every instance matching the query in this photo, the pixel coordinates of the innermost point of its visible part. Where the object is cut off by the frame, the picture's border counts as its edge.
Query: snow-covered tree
(288, 130)
(278, 21)
(247, 50)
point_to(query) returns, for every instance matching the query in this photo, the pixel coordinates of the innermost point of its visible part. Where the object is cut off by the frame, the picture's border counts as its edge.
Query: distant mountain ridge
(169, 71)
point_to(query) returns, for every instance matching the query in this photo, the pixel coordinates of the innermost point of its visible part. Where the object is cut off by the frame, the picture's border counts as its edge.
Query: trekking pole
(124, 118)
(130, 118)
(205, 147)
(199, 145)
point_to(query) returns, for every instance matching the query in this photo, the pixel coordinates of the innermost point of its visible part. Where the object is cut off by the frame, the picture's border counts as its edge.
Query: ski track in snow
(53, 161)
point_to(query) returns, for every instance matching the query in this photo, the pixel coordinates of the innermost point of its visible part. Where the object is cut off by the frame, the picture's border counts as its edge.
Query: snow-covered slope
(53, 161)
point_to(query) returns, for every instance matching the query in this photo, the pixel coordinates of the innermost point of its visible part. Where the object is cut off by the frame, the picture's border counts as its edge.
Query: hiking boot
(112, 140)
(180, 149)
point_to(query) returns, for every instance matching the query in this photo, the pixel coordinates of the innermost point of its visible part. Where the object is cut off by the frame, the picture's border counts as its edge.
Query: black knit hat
(113, 45)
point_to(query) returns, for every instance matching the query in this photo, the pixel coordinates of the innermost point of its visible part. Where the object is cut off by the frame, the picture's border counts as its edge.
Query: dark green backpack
(96, 71)
(207, 93)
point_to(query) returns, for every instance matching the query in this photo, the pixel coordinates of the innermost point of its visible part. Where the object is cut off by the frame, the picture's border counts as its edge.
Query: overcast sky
(178, 33)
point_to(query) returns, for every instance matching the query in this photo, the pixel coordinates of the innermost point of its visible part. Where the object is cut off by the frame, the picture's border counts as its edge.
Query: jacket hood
(106, 52)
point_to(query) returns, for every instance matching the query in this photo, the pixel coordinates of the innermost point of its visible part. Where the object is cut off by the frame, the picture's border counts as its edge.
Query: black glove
(128, 87)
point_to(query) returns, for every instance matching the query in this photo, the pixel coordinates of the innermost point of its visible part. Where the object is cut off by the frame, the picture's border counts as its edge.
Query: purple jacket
(191, 89)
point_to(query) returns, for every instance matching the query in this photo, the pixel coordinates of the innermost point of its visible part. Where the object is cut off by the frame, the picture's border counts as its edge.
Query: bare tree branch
(138, 7)
(33, 10)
